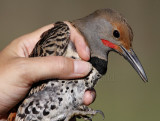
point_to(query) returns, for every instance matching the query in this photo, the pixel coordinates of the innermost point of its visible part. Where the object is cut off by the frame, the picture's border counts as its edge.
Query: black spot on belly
(60, 99)
(27, 111)
(34, 111)
(67, 88)
(37, 103)
(21, 115)
(40, 118)
(31, 103)
(53, 107)
(86, 84)
(61, 90)
(72, 91)
(58, 93)
(45, 112)
(52, 84)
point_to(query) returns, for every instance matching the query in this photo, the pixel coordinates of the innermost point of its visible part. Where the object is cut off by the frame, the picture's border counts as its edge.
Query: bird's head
(107, 30)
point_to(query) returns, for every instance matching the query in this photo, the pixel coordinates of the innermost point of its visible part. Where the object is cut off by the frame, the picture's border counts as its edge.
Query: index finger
(80, 43)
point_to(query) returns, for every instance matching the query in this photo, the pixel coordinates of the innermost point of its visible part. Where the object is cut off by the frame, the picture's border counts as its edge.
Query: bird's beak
(134, 61)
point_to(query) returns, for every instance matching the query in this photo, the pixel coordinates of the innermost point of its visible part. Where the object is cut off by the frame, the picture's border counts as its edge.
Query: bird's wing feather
(52, 43)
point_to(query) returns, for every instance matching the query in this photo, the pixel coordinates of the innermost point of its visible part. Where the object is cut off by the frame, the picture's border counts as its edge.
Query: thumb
(40, 68)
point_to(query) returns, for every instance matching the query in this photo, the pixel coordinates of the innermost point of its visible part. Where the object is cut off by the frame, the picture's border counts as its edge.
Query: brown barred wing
(53, 42)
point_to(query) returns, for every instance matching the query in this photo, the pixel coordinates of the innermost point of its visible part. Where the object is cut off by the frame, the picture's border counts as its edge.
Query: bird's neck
(99, 64)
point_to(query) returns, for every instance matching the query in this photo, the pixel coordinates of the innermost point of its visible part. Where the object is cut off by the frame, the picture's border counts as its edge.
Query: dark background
(121, 94)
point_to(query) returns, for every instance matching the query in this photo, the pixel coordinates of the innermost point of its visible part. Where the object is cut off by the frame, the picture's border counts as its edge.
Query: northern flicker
(104, 30)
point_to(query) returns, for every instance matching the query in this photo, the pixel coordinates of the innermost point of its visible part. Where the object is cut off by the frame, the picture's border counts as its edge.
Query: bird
(104, 30)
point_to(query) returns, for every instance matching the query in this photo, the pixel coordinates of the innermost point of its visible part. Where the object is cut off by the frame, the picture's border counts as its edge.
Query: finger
(89, 97)
(80, 43)
(40, 68)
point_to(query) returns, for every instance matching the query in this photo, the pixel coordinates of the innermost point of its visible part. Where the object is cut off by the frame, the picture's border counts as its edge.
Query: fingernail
(88, 51)
(81, 67)
(89, 97)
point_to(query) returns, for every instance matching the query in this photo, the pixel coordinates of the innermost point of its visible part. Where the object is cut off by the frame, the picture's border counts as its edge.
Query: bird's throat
(99, 64)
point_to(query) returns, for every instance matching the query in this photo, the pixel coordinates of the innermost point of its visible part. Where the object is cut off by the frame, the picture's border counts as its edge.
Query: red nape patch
(109, 44)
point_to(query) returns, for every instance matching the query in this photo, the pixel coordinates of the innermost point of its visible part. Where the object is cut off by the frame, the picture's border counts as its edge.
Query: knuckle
(64, 65)
(21, 67)
(62, 62)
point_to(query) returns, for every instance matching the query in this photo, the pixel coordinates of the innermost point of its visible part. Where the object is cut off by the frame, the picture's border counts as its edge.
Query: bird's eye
(116, 34)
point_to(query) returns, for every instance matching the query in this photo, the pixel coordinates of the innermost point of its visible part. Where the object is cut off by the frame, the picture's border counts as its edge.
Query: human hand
(18, 72)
